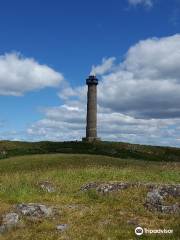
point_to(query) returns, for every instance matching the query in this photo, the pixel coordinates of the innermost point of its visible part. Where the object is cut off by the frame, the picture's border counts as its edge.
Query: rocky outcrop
(156, 196)
(88, 186)
(106, 187)
(3, 154)
(9, 221)
(31, 211)
(35, 210)
(156, 199)
(111, 187)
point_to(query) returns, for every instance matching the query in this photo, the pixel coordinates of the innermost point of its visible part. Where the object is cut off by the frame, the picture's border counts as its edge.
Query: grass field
(97, 216)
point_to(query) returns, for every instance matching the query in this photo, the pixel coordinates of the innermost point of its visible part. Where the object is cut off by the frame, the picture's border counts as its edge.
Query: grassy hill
(97, 216)
(90, 215)
(114, 149)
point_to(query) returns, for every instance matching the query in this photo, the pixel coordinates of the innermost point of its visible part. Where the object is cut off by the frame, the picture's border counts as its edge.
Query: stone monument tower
(91, 119)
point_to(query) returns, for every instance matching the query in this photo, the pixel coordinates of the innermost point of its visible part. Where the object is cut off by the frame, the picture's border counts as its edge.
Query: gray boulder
(9, 221)
(62, 227)
(155, 200)
(35, 210)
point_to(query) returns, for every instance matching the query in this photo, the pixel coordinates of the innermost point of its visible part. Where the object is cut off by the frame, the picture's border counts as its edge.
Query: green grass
(114, 149)
(98, 217)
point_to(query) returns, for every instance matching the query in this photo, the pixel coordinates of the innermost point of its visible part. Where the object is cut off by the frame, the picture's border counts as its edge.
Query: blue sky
(68, 37)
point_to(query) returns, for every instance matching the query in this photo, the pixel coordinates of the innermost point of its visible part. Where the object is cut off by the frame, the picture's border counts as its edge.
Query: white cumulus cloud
(19, 75)
(148, 3)
(147, 83)
(106, 66)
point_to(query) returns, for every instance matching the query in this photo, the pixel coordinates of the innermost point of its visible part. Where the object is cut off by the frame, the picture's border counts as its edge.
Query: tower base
(91, 139)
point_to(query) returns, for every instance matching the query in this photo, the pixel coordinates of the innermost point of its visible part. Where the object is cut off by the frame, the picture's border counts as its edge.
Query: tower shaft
(91, 128)
(91, 118)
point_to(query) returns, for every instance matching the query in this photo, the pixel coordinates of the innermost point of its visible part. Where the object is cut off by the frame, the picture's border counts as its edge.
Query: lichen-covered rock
(35, 210)
(46, 186)
(106, 187)
(155, 200)
(88, 186)
(31, 211)
(112, 186)
(9, 221)
(174, 208)
(172, 190)
(3, 154)
(154, 197)
(2, 229)
(62, 227)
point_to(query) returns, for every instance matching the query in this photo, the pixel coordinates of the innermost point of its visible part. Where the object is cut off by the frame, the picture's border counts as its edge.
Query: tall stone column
(91, 119)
